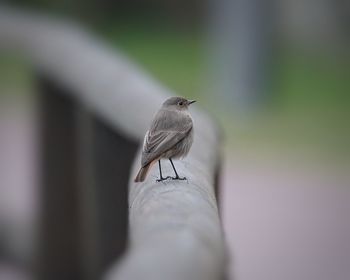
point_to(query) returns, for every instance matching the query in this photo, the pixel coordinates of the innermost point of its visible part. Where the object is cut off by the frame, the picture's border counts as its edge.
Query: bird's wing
(158, 143)
(166, 131)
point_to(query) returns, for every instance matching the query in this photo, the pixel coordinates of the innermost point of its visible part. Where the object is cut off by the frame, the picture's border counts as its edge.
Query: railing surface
(95, 108)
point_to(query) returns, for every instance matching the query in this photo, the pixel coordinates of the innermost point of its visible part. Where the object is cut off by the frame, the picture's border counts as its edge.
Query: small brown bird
(170, 136)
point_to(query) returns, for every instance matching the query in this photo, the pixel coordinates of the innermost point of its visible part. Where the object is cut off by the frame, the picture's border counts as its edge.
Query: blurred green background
(305, 106)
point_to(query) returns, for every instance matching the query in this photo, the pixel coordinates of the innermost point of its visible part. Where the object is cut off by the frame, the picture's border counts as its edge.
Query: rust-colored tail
(141, 176)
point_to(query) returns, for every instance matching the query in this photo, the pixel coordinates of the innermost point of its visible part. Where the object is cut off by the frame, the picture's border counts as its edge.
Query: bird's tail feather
(141, 176)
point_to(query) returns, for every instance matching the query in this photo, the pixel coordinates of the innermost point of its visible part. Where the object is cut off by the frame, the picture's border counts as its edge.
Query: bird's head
(177, 103)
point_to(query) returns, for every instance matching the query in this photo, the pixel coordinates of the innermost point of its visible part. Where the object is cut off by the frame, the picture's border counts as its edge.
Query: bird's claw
(163, 179)
(179, 178)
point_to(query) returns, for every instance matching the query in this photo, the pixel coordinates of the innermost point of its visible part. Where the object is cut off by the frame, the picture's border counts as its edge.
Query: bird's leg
(160, 173)
(176, 175)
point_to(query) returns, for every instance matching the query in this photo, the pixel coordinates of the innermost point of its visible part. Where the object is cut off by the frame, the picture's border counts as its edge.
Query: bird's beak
(191, 101)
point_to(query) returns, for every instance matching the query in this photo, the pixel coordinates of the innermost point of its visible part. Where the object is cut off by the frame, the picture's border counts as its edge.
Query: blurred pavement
(286, 220)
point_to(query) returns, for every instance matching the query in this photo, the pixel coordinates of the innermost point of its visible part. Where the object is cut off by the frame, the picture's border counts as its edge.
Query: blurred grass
(309, 101)
(308, 112)
(15, 74)
(175, 57)
(307, 80)
(308, 106)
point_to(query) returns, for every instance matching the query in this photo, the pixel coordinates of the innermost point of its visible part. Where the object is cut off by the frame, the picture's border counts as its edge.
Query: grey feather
(170, 135)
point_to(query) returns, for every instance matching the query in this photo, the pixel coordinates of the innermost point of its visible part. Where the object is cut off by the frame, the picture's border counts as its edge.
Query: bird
(170, 136)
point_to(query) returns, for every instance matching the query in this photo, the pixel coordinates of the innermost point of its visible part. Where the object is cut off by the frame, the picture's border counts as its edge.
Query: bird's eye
(181, 103)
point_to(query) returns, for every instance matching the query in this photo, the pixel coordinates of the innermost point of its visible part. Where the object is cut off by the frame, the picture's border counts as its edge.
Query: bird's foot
(163, 179)
(179, 178)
